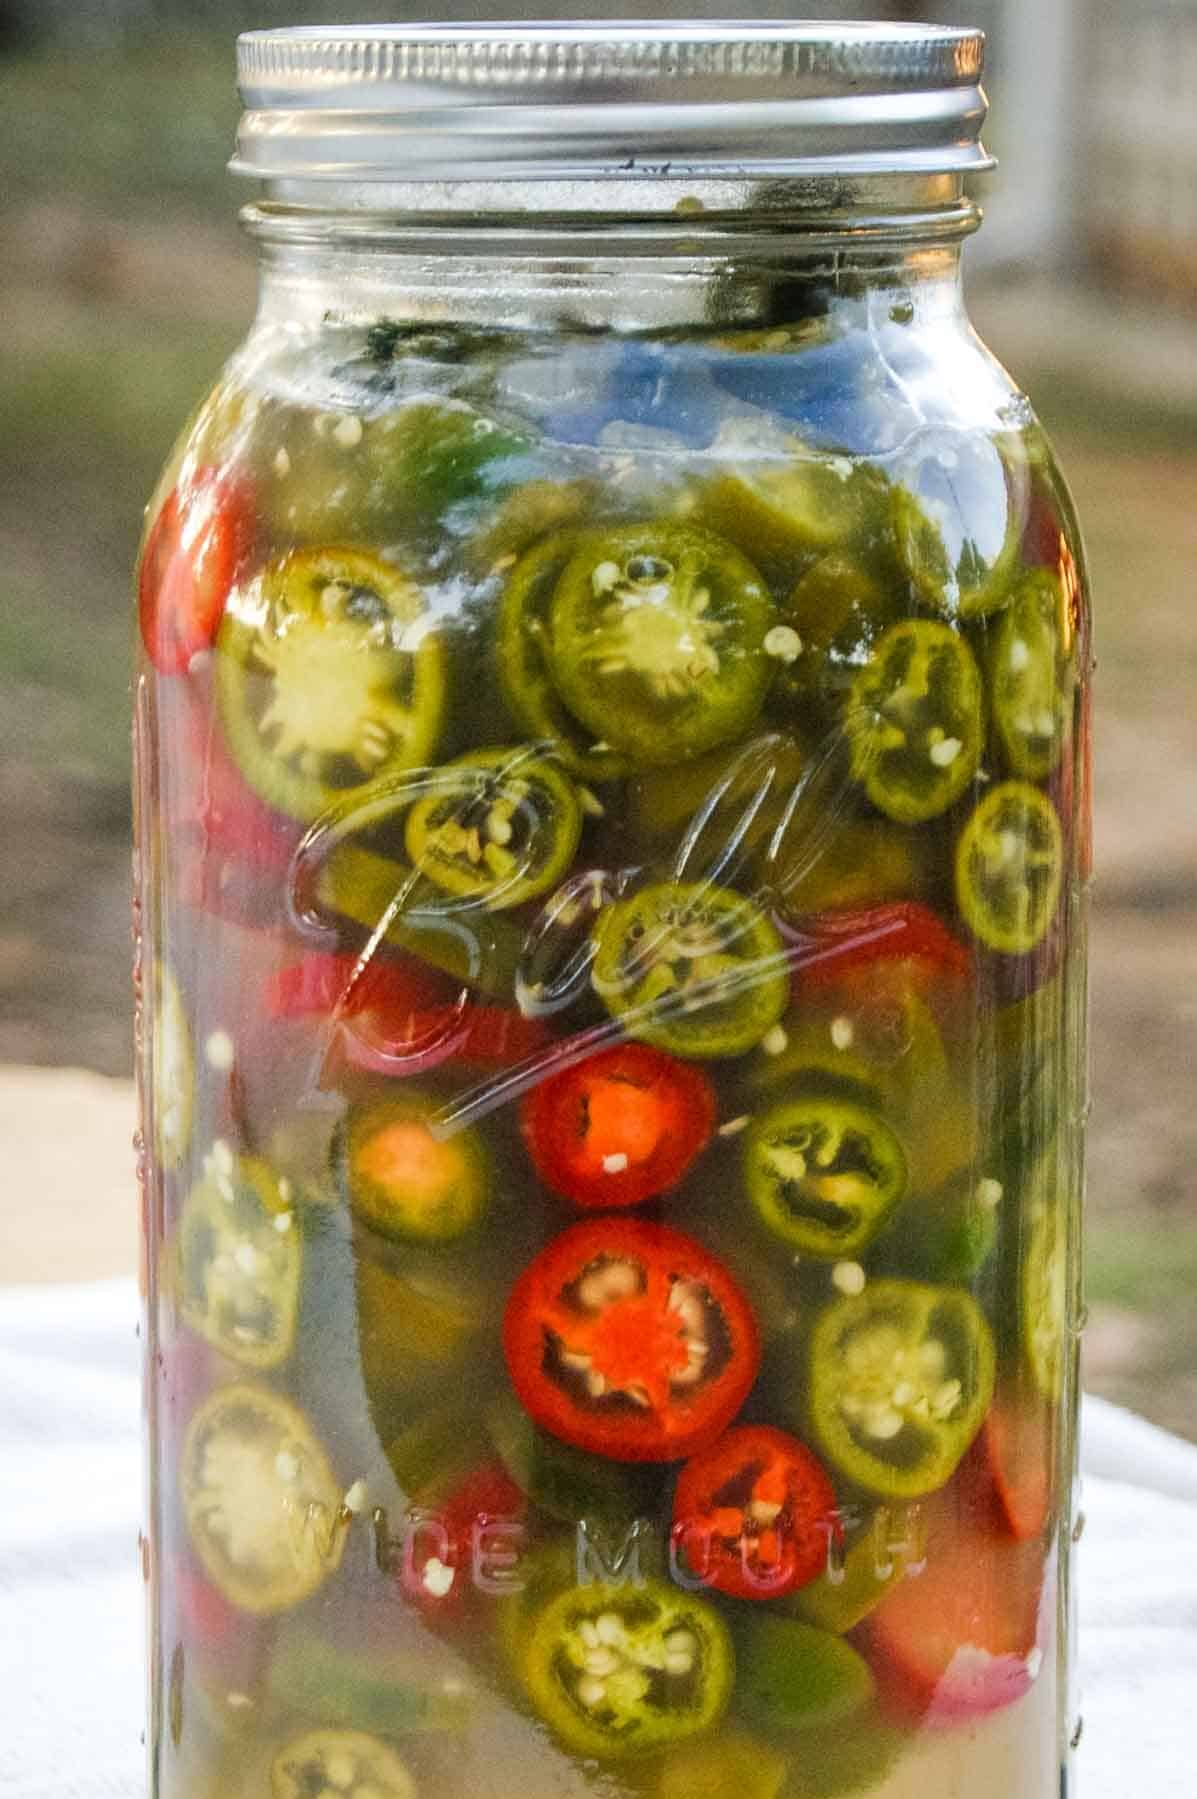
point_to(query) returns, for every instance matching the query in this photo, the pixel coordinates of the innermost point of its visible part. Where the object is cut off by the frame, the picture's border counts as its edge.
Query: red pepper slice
(905, 932)
(1042, 537)
(960, 1637)
(323, 983)
(754, 1514)
(620, 1127)
(488, 1036)
(875, 961)
(398, 1017)
(1019, 1437)
(438, 1564)
(195, 547)
(630, 1340)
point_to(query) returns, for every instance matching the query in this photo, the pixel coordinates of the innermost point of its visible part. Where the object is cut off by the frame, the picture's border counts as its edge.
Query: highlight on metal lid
(617, 99)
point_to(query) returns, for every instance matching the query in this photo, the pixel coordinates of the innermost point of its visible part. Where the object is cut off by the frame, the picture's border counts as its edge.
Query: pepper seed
(348, 431)
(783, 644)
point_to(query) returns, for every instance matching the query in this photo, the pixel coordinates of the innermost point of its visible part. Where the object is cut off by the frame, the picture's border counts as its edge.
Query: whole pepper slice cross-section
(1033, 675)
(755, 1513)
(823, 1173)
(499, 826)
(329, 673)
(623, 1671)
(692, 968)
(239, 1259)
(657, 639)
(630, 1340)
(914, 721)
(1010, 868)
(340, 1761)
(899, 1380)
(261, 1500)
(620, 1127)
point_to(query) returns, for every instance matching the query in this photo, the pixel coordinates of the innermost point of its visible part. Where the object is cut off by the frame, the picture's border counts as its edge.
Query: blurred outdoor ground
(123, 284)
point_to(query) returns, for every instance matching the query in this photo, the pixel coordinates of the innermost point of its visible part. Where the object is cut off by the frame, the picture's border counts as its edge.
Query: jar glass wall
(613, 843)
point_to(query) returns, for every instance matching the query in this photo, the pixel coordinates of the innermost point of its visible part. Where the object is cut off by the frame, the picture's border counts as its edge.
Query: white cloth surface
(71, 1612)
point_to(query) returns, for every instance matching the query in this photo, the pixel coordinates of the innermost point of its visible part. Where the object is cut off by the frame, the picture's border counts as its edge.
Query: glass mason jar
(613, 842)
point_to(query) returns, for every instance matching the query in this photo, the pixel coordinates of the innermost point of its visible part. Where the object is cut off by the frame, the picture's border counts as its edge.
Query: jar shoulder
(787, 440)
(860, 380)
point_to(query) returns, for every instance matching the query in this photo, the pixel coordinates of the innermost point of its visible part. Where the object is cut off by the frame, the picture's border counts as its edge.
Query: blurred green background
(124, 284)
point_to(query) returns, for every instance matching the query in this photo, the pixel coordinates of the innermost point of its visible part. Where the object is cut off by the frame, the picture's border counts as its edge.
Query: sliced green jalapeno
(1010, 868)
(767, 815)
(621, 1671)
(329, 475)
(340, 1761)
(658, 640)
(731, 1763)
(263, 1505)
(787, 513)
(861, 862)
(419, 1316)
(391, 1691)
(482, 949)
(1027, 1040)
(173, 1083)
(873, 1038)
(521, 644)
(899, 1379)
(537, 512)
(328, 674)
(854, 1758)
(793, 1676)
(948, 1235)
(239, 1259)
(837, 612)
(403, 1180)
(914, 721)
(1044, 1288)
(1033, 677)
(868, 1569)
(811, 1060)
(957, 513)
(445, 455)
(739, 791)
(823, 1174)
(500, 826)
(691, 967)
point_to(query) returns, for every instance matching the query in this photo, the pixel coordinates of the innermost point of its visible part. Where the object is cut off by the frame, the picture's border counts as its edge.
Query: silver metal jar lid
(621, 99)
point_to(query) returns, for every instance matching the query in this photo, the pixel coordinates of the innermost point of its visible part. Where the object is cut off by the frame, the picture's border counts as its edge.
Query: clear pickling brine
(612, 718)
